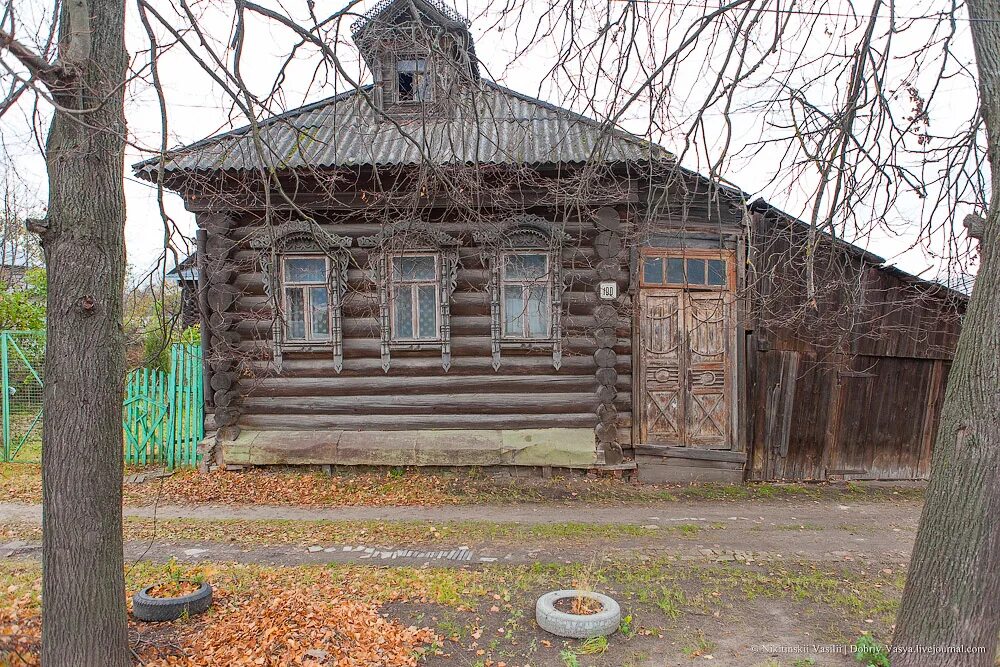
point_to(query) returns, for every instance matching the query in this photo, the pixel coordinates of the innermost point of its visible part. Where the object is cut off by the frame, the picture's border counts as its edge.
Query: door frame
(732, 338)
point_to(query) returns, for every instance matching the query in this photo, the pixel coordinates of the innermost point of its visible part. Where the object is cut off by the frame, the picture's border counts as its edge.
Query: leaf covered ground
(258, 617)
(414, 487)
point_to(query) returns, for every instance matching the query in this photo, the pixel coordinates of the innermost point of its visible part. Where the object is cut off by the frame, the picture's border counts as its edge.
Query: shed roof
(496, 126)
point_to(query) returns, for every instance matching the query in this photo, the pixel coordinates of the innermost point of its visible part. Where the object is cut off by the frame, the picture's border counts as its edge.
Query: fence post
(5, 382)
(171, 400)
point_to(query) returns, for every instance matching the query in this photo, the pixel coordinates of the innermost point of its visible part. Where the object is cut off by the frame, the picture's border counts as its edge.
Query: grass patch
(259, 532)
(470, 607)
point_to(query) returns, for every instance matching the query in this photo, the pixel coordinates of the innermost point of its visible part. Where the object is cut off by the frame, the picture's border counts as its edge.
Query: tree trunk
(83, 588)
(952, 594)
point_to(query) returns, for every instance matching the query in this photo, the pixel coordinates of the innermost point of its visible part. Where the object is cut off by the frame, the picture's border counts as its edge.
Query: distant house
(12, 276)
(444, 271)
(185, 274)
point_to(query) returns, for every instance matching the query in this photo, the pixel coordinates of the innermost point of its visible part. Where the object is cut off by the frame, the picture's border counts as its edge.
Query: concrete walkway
(821, 531)
(903, 514)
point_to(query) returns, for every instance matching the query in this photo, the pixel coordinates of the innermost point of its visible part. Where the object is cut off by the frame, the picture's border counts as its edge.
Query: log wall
(252, 390)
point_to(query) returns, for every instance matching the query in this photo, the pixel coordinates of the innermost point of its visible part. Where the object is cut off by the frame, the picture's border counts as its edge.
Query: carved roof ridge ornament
(298, 233)
(421, 232)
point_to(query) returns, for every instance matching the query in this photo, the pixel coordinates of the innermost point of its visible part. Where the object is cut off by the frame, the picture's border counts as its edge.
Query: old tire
(148, 608)
(576, 626)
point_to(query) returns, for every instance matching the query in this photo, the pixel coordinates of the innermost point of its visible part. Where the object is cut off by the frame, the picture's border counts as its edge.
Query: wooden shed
(436, 270)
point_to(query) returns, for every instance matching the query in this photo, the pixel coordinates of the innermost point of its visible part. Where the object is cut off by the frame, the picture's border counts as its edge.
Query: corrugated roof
(495, 125)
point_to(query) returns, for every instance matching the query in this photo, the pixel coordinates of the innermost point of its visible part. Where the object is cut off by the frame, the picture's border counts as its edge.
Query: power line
(940, 16)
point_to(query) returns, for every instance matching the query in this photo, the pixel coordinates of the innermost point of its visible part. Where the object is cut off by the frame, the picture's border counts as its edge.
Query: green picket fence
(162, 415)
(162, 419)
(22, 357)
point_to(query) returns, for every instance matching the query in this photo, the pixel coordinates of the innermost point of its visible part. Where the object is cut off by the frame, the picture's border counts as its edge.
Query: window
(307, 298)
(412, 81)
(415, 298)
(526, 295)
(685, 272)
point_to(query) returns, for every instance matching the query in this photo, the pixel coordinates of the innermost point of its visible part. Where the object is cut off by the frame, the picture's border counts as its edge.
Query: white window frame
(306, 287)
(525, 285)
(396, 285)
(421, 74)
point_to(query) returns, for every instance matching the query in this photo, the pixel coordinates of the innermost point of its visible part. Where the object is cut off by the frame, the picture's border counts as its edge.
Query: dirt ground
(737, 583)
(785, 581)
(812, 530)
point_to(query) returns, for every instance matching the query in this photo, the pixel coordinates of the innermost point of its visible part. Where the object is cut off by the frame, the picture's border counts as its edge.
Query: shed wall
(850, 387)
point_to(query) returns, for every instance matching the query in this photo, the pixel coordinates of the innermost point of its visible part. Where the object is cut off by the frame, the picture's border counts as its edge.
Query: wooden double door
(686, 367)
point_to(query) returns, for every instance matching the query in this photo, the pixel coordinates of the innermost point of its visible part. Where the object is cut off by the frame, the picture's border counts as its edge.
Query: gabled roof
(435, 10)
(495, 125)
(765, 208)
(186, 269)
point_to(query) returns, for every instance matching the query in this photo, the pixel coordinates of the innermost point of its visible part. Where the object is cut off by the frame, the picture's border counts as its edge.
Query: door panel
(685, 368)
(661, 342)
(708, 383)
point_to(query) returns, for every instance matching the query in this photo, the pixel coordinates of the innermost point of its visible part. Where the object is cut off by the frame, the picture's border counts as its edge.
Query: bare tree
(842, 108)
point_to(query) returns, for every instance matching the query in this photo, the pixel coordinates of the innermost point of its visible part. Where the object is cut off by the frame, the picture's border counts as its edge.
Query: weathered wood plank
(426, 421)
(423, 404)
(392, 384)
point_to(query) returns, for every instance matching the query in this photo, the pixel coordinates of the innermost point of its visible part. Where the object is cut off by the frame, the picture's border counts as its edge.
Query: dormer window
(412, 80)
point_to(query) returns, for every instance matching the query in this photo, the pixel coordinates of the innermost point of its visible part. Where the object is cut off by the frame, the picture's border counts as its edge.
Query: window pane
(300, 269)
(716, 272)
(652, 270)
(405, 87)
(404, 313)
(675, 271)
(696, 272)
(417, 267)
(426, 312)
(538, 312)
(320, 312)
(513, 310)
(525, 267)
(296, 314)
(411, 80)
(416, 65)
(422, 88)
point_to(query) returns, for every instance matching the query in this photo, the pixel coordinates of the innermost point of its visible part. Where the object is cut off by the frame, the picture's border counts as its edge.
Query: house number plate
(609, 289)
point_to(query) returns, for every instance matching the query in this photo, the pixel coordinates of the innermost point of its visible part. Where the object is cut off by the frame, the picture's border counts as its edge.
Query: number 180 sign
(609, 290)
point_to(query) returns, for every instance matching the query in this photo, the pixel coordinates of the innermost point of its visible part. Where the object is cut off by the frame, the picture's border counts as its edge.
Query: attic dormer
(420, 53)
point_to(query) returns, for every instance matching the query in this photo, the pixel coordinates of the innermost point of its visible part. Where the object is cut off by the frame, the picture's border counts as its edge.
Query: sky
(518, 51)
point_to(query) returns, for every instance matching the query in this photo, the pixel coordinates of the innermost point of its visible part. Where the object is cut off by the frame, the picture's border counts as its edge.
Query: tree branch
(52, 75)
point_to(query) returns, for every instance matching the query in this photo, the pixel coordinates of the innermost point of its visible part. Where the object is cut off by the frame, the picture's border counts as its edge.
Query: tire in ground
(148, 608)
(577, 626)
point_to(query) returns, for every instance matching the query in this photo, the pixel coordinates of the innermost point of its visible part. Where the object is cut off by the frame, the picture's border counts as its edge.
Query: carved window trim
(413, 238)
(302, 238)
(529, 234)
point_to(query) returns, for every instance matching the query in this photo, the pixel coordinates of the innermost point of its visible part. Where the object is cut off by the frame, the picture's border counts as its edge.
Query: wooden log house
(433, 269)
